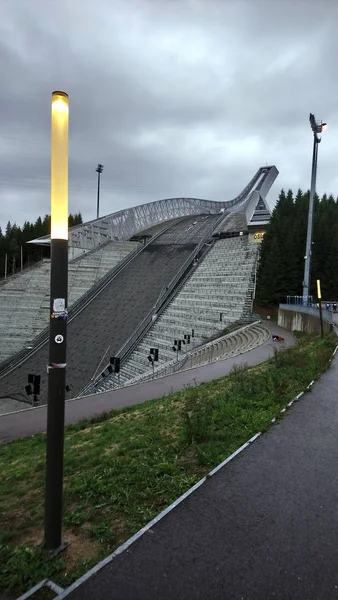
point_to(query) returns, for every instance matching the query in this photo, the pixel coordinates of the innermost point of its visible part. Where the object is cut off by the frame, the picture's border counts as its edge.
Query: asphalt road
(264, 527)
(33, 420)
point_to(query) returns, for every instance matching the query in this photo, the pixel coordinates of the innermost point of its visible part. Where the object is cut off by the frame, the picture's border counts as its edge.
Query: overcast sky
(173, 97)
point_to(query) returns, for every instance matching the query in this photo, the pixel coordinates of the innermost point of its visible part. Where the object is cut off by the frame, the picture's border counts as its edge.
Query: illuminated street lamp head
(319, 293)
(59, 166)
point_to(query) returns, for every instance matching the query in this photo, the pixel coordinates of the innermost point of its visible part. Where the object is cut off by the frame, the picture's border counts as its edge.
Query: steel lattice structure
(126, 223)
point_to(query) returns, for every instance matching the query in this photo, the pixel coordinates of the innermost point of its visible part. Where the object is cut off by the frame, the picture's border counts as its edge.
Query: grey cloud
(173, 97)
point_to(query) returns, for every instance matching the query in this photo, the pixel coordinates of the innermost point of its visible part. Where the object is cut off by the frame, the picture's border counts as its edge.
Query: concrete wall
(303, 318)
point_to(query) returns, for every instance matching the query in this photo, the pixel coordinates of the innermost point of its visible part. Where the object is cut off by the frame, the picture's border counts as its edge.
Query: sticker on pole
(60, 316)
(59, 305)
(56, 366)
(59, 338)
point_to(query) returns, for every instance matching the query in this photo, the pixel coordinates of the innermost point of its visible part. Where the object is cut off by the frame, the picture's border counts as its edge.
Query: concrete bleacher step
(237, 343)
(220, 283)
(25, 302)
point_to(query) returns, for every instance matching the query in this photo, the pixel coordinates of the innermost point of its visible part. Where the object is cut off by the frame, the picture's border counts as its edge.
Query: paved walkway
(33, 420)
(264, 527)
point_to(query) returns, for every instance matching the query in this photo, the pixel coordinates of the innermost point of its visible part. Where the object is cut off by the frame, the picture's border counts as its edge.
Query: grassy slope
(122, 468)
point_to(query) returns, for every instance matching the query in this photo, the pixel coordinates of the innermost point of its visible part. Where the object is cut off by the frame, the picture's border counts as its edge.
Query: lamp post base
(55, 551)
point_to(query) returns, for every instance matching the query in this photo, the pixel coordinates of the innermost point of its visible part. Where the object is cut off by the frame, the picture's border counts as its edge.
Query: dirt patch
(16, 517)
(112, 449)
(125, 416)
(89, 429)
(189, 464)
(166, 433)
(119, 528)
(34, 537)
(81, 444)
(81, 545)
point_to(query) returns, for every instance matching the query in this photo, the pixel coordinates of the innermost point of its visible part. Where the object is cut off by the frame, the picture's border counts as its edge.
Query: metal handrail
(164, 293)
(41, 339)
(124, 353)
(145, 325)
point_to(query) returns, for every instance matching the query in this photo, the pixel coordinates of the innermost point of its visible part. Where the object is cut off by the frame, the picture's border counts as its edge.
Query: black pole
(321, 319)
(308, 249)
(98, 194)
(99, 170)
(56, 395)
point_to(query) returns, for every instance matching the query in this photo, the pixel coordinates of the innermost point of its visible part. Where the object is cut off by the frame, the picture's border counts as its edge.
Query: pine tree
(16, 237)
(281, 269)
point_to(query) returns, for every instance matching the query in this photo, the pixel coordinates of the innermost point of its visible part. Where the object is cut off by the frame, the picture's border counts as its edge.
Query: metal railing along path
(175, 365)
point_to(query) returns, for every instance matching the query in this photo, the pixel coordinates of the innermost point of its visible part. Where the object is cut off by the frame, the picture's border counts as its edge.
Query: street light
(56, 368)
(99, 170)
(317, 128)
(319, 296)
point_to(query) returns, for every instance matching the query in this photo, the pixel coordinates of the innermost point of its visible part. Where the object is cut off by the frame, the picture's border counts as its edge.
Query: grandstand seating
(113, 308)
(235, 343)
(113, 315)
(24, 297)
(222, 283)
(232, 344)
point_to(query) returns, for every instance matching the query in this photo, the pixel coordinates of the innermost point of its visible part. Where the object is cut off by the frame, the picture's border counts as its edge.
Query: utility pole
(317, 128)
(99, 170)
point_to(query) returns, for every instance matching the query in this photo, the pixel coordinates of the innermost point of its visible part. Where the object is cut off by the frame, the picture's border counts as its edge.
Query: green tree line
(281, 268)
(14, 238)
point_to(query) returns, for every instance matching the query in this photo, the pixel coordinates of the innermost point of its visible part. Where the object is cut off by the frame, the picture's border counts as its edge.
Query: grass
(122, 468)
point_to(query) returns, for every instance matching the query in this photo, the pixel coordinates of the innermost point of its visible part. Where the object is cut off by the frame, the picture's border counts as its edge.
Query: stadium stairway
(232, 344)
(222, 283)
(114, 314)
(25, 299)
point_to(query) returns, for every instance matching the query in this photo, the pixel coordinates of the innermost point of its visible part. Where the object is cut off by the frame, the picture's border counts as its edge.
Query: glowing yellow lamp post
(319, 295)
(58, 323)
